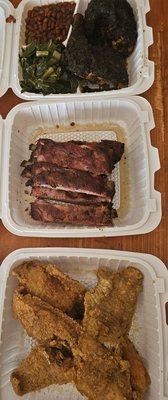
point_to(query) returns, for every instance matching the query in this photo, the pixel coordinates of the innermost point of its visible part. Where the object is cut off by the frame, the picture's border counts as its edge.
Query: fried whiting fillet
(140, 379)
(101, 374)
(42, 321)
(46, 366)
(52, 286)
(41, 368)
(110, 306)
(116, 373)
(93, 384)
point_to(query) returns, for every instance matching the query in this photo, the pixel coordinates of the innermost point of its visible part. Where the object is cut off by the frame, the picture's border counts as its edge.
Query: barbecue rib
(42, 321)
(66, 213)
(97, 64)
(97, 157)
(37, 168)
(83, 182)
(73, 181)
(42, 192)
(49, 284)
(41, 368)
(110, 306)
(111, 22)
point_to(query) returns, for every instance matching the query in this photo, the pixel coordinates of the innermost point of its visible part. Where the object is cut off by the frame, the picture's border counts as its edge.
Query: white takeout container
(134, 115)
(149, 330)
(140, 68)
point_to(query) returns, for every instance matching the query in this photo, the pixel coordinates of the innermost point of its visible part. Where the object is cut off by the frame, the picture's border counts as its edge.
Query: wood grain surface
(155, 242)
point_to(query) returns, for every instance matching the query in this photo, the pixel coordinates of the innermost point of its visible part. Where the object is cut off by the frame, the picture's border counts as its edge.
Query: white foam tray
(134, 115)
(140, 68)
(149, 331)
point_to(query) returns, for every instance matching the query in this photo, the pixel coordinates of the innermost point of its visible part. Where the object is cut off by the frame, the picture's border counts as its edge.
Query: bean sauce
(49, 22)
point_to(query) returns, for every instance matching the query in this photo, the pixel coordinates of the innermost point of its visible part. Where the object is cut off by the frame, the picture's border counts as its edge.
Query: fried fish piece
(110, 306)
(41, 368)
(100, 374)
(140, 378)
(42, 321)
(53, 286)
(94, 385)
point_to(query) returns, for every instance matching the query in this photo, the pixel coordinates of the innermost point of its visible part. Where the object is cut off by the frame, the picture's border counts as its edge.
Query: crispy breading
(140, 378)
(51, 285)
(100, 373)
(94, 385)
(137, 396)
(89, 349)
(41, 368)
(110, 306)
(73, 352)
(42, 321)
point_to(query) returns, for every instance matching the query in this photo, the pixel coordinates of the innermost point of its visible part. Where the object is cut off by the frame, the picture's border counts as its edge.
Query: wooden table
(157, 241)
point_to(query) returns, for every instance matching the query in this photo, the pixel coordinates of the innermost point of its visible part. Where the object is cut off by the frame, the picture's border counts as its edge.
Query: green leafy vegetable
(56, 55)
(42, 53)
(42, 71)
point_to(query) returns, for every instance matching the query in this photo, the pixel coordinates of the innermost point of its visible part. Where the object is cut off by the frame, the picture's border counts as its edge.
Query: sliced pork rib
(68, 197)
(70, 181)
(96, 157)
(37, 168)
(73, 181)
(73, 214)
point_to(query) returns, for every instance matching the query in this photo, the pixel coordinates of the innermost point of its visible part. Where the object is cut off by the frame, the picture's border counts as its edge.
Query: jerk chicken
(99, 45)
(111, 22)
(97, 64)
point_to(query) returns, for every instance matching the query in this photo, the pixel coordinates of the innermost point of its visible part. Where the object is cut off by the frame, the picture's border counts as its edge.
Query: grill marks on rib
(73, 181)
(97, 158)
(42, 192)
(66, 213)
(37, 168)
(70, 181)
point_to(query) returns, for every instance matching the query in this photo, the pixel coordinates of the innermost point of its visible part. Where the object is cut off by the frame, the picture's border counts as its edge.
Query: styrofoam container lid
(149, 329)
(130, 119)
(140, 68)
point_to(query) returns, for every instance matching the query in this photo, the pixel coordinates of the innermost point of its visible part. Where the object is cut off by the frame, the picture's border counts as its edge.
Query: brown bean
(49, 21)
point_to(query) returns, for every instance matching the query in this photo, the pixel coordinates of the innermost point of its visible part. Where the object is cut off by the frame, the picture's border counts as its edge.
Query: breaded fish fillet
(140, 378)
(100, 373)
(41, 368)
(94, 385)
(51, 285)
(110, 306)
(42, 321)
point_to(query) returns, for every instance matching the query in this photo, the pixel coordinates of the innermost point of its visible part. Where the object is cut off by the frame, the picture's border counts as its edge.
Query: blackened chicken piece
(111, 22)
(78, 52)
(96, 64)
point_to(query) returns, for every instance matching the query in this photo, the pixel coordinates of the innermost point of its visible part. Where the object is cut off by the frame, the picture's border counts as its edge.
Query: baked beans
(49, 22)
